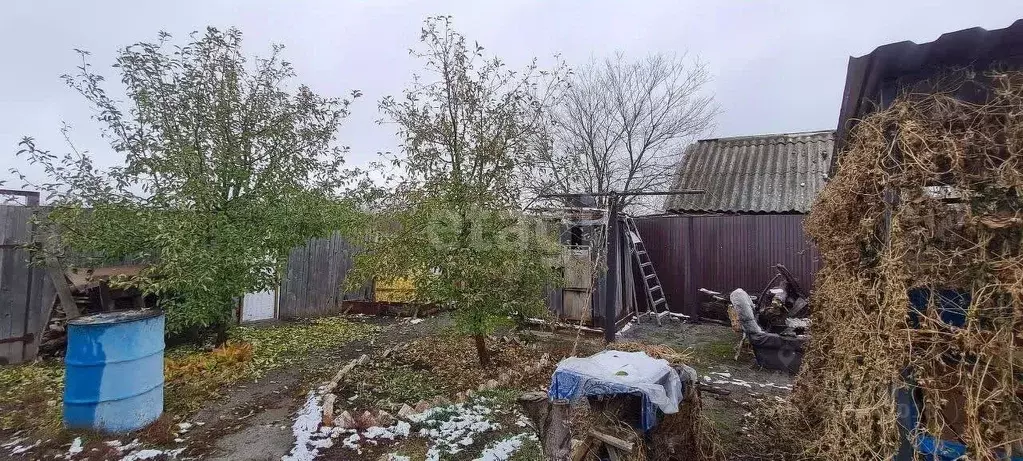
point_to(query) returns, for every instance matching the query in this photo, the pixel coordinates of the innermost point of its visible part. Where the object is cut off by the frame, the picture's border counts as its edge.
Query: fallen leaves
(30, 396)
(280, 345)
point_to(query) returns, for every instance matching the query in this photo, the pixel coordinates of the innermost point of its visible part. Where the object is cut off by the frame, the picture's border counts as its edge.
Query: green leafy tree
(227, 166)
(468, 127)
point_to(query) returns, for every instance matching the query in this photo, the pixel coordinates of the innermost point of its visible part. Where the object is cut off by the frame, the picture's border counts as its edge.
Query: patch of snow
(309, 439)
(503, 449)
(23, 448)
(13, 442)
(415, 321)
(739, 382)
(151, 454)
(452, 428)
(76, 447)
(352, 442)
(394, 457)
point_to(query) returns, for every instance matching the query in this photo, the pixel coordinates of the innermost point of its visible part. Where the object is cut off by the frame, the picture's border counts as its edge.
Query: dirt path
(255, 421)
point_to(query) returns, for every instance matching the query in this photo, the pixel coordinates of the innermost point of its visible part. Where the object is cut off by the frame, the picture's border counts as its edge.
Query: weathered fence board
(314, 278)
(26, 293)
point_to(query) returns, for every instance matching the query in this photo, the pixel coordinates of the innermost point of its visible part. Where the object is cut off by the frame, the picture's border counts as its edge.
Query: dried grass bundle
(929, 194)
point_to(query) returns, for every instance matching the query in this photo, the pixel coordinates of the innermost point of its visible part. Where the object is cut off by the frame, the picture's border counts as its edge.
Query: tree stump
(550, 420)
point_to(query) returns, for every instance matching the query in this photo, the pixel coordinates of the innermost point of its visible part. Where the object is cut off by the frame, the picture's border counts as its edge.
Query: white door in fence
(259, 306)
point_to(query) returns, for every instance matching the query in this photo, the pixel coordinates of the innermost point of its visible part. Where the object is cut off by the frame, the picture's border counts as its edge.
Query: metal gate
(26, 292)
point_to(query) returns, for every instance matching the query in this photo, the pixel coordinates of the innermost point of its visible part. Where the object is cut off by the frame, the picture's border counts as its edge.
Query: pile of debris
(775, 323)
(90, 291)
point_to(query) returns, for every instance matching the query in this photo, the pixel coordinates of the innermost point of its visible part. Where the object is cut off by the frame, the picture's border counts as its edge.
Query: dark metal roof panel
(874, 80)
(778, 173)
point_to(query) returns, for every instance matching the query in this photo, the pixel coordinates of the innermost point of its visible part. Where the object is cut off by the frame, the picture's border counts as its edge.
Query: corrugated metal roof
(874, 80)
(777, 173)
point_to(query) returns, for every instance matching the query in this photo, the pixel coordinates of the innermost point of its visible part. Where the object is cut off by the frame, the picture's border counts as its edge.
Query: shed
(757, 191)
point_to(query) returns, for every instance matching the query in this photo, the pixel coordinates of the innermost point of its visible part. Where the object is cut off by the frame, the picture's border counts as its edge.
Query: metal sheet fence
(313, 281)
(724, 252)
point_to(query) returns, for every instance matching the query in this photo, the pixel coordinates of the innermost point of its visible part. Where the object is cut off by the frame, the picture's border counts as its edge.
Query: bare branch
(623, 125)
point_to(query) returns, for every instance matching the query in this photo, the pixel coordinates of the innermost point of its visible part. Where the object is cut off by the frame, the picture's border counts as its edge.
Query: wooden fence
(313, 282)
(26, 291)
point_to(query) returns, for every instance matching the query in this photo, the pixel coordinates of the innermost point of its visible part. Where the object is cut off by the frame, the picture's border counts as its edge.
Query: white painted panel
(258, 306)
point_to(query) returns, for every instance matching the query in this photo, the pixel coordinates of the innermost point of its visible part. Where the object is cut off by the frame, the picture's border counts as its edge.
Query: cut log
(620, 444)
(551, 422)
(328, 409)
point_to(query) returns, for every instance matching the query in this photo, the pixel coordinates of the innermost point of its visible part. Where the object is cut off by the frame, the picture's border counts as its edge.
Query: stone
(422, 406)
(345, 421)
(492, 384)
(385, 419)
(441, 401)
(366, 419)
(406, 411)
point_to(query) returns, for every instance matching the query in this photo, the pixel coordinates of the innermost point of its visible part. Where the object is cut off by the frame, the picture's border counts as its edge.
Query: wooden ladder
(656, 302)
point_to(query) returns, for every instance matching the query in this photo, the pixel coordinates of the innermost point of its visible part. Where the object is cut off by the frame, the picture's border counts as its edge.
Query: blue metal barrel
(114, 371)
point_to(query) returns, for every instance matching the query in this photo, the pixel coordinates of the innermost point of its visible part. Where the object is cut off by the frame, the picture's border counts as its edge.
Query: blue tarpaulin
(616, 372)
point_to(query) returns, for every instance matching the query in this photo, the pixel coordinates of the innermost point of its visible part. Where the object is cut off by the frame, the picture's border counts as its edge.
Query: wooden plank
(282, 293)
(612, 441)
(42, 295)
(305, 295)
(59, 281)
(329, 288)
(311, 296)
(21, 280)
(6, 290)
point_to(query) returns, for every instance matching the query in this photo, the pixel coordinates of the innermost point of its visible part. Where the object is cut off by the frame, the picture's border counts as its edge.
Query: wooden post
(611, 284)
(106, 299)
(550, 420)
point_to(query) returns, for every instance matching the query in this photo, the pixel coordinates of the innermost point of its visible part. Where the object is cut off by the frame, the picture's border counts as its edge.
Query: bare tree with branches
(622, 125)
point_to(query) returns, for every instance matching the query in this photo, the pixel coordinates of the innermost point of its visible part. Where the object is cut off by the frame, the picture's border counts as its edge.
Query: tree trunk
(481, 350)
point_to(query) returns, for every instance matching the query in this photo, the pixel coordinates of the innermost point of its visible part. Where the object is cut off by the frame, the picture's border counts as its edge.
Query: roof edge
(770, 135)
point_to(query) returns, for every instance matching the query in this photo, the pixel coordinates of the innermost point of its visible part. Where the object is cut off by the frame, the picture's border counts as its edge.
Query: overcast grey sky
(778, 66)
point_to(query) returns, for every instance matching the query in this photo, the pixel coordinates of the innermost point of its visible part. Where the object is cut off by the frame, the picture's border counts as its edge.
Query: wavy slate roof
(776, 173)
